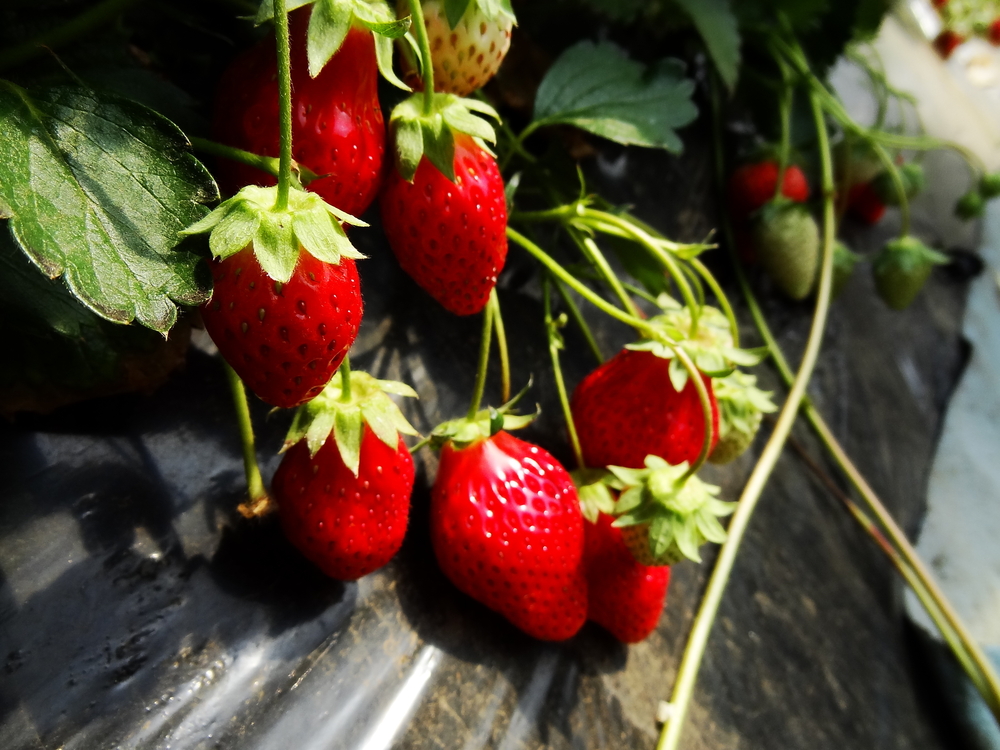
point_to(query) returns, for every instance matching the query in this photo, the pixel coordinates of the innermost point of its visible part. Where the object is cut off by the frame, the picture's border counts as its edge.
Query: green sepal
(989, 185)
(417, 133)
(901, 269)
(593, 491)
(741, 404)
(368, 404)
(487, 422)
(678, 513)
(970, 205)
(250, 217)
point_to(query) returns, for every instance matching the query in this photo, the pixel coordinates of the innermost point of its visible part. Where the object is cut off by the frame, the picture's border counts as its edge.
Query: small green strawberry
(901, 268)
(786, 239)
(989, 185)
(911, 175)
(844, 261)
(741, 405)
(970, 205)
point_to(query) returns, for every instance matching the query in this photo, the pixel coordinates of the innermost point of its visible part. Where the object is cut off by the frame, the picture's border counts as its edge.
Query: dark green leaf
(97, 188)
(596, 87)
(716, 22)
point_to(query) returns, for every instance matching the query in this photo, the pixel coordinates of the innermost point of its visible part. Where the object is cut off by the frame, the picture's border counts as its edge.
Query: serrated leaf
(597, 88)
(97, 189)
(328, 26)
(348, 429)
(717, 24)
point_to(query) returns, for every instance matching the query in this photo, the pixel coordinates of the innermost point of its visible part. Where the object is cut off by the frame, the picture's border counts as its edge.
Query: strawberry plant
(114, 237)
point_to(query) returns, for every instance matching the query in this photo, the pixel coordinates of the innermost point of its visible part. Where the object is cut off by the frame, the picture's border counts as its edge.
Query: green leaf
(717, 24)
(348, 428)
(596, 87)
(97, 189)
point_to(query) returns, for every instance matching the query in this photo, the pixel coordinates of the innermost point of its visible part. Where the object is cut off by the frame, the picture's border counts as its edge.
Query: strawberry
(947, 41)
(623, 596)
(741, 405)
(865, 204)
(786, 239)
(993, 33)
(753, 185)
(507, 530)
(989, 185)
(450, 237)
(344, 503)
(901, 268)
(466, 50)
(970, 205)
(844, 261)
(337, 126)
(629, 408)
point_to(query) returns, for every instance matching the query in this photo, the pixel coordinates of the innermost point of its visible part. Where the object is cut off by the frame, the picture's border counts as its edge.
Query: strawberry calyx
(593, 491)
(277, 235)
(989, 183)
(741, 406)
(419, 131)
(901, 268)
(664, 513)
(709, 344)
(345, 416)
(486, 423)
(493, 10)
(331, 20)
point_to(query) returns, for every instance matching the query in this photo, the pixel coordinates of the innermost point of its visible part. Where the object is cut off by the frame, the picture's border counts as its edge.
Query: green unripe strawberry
(844, 261)
(786, 239)
(970, 205)
(901, 268)
(989, 185)
(741, 406)
(910, 174)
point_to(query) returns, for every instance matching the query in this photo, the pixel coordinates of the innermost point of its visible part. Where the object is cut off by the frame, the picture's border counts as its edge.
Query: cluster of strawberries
(965, 19)
(507, 523)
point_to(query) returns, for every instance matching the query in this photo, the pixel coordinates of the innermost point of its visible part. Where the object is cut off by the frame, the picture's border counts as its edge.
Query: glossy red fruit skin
(347, 526)
(507, 530)
(337, 126)
(623, 596)
(285, 341)
(753, 185)
(627, 409)
(451, 238)
(864, 204)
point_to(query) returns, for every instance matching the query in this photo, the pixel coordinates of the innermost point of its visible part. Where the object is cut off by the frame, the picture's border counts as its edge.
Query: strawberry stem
(426, 61)
(260, 502)
(501, 334)
(574, 312)
(483, 365)
(702, 627)
(345, 379)
(555, 344)
(706, 409)
(593, 253)
(284, 104)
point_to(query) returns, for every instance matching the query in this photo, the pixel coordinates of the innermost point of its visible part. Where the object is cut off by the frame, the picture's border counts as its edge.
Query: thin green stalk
(702, 627)
(501, 334)
(593, 253)
(259, 499)
(74, 29)
(426, 62)
(706, 411)
(268, 164)
(484, 361)
(345, 380)
(284, 105)
(555, 344)
(897, 185)
(574, 312)
(720, 297)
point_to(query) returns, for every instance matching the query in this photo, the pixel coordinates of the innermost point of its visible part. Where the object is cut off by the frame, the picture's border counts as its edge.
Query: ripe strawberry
(623, 596)
(864, 203)
(285, 341)
(628, 408)
(786, 239)
(337, 126)
(450, 237)
(947, 41)
(753, 185)
(507, 530)
(466, 54)
(993, 33)
(901, 268)
(344, 502)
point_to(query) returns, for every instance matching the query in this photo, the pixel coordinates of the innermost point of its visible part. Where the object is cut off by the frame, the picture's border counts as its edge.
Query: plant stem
(501, 334)
(284, 104)
(574, 312)
(706, 409)
(698, 640)
(345, 379)
(594, 255)
(268, 164)
(426, 62)
(721, 298)
(73, 29)
(484, 361)
(260, 502)
(555, 344)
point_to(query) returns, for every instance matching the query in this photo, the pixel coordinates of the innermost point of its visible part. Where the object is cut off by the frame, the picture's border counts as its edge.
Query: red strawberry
(864, 202)
(507, 530)
(468, 53)
(347, 525)
(947, 41)
(284, 340)
(450, 237)
(337, 126)
(628, 408)
(993, 33)
(753, 185)
(623, 596)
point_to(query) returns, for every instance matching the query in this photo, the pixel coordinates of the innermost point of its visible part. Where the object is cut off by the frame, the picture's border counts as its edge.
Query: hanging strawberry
(901, 268)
